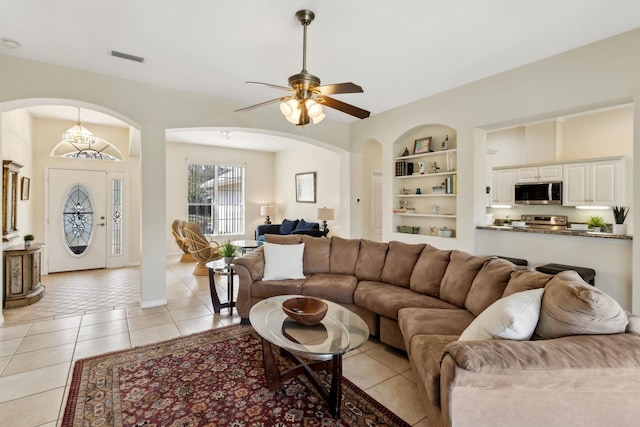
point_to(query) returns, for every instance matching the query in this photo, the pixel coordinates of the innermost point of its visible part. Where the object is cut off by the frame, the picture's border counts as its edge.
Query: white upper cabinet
(544, 173)
(503, 191)
(593, 183)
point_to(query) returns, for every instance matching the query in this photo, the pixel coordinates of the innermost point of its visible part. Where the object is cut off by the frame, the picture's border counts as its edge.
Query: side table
(227, 270)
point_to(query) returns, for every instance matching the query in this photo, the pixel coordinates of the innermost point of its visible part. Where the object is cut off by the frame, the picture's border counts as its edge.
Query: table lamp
(325, 214)
(267, 211)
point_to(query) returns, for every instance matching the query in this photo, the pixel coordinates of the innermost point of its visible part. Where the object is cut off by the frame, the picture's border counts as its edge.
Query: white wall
(259, 183)
(329, 185)
(603, 74)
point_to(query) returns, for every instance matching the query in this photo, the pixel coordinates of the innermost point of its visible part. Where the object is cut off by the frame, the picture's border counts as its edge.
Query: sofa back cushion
(371, 260)
(457, 280)
(429, 270)
(399, 263)
(290, 239)
(570, 306)
(488, 285)
(344, 255)
(524, 279)
(316, 254)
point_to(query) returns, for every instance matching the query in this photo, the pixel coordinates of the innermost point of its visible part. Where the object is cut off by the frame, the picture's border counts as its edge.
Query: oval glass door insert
(77, 219)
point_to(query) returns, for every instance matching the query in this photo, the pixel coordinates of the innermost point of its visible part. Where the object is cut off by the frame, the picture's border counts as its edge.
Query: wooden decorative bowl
(305, 310)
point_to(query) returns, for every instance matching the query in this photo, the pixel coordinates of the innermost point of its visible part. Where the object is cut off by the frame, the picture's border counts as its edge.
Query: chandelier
(79, 134)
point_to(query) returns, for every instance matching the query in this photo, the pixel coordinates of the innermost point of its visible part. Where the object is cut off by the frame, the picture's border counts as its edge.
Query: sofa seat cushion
(272, 288)
(426, 352)
(334, 287)
(386, 300)
(432, 321)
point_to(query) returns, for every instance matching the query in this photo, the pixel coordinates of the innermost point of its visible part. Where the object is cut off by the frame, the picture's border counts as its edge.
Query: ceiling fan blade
(339, 88)
(262, 104)
(344, 107)
(270, 85)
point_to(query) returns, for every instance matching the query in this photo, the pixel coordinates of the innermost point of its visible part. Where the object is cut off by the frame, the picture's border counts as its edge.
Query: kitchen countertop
(558, 232)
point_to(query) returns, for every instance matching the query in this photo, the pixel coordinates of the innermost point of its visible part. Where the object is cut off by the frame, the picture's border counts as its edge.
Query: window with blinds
(216, 198)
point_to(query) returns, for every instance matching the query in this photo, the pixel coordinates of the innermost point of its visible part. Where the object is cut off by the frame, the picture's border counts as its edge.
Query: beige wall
(259, 183)
(329, 185)
(606, 73)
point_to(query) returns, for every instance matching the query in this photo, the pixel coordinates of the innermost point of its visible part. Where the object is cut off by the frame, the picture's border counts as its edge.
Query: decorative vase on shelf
(620, 229)
(28, 241)
(228, 260)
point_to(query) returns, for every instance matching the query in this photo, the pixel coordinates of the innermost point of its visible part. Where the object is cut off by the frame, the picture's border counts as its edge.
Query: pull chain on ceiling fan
(308, 97)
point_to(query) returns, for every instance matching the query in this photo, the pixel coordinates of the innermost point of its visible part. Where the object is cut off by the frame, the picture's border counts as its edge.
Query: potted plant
(228, 252)
(28, 240)
(596, 223)
(619, 215)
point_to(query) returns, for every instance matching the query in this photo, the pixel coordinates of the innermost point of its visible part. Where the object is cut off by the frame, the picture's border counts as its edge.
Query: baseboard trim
(153, 303)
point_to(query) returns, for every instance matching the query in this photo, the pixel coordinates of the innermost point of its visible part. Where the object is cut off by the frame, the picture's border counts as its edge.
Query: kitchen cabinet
(503, 190)
(543, 173)
(596, 183)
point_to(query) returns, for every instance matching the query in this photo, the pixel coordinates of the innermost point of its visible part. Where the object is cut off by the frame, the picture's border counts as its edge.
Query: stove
(545, 222)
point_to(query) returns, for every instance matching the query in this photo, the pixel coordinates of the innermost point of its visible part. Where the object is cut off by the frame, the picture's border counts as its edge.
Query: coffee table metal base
(308, 368)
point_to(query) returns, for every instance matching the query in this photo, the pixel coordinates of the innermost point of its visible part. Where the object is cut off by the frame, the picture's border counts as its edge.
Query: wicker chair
(201, 249)
(176, 229)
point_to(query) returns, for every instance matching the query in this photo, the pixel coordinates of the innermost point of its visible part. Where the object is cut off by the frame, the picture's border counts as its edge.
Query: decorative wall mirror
(10, 199)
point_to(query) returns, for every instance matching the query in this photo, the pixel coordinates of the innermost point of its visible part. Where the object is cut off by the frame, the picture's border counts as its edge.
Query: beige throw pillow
(572, 307)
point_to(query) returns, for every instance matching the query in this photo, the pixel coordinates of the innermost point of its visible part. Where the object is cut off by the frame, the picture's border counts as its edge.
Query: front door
(77, 231)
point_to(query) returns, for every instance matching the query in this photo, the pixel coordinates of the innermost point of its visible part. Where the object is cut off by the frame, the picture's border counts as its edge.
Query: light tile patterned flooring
(91, 312)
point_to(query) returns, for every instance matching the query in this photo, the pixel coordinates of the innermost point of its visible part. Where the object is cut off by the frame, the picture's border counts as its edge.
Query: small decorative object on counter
(418, 191)
(596, 223)
(619, 216)
(28, 240)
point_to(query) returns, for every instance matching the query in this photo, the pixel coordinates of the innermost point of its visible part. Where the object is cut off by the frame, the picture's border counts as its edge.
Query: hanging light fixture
(79, 134)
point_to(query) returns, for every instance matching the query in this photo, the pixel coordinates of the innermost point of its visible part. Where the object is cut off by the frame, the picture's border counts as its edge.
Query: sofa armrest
(573, 352)
(249, 268)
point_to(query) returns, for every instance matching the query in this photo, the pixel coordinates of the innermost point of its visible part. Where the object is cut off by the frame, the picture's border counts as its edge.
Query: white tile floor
(92, 312)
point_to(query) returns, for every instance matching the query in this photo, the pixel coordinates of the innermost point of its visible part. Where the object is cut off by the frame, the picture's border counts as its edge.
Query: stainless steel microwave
(539, 193)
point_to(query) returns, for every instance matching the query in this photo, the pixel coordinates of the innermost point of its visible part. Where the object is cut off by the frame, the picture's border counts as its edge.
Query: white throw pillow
(282, 262)
(511, 318)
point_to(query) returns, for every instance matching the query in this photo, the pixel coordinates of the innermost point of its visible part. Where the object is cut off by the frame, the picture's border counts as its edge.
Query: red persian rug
(214, 378)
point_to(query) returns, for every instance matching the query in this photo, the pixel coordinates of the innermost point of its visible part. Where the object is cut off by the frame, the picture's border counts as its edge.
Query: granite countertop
(509, 228)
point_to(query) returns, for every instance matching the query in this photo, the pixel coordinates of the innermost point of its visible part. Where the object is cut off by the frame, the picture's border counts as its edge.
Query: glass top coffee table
(312, 348)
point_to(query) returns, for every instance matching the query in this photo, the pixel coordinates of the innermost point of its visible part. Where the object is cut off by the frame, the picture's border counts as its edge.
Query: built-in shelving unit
(425, 183)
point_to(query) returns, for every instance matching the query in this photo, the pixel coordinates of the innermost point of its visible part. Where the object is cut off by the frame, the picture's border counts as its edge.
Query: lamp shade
(267, 210)
(325, 214)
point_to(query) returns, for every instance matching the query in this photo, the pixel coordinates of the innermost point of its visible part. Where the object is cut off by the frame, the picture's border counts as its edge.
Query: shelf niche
(407, 179)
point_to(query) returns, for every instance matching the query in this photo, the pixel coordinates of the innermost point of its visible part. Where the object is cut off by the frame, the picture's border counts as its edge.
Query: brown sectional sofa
(420, 299)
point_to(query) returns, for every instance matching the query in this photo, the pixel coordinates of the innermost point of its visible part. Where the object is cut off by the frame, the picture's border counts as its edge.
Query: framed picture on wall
(306, 187)
(25, 188)
(422, 145)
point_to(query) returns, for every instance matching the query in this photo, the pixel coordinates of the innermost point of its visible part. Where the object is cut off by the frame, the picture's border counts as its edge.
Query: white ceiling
(397, 51)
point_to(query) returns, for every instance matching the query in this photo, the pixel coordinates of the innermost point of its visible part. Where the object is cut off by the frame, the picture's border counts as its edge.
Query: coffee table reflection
(312, 348)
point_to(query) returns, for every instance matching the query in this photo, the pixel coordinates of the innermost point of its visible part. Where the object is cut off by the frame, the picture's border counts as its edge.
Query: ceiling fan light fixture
(313, 108)
(288, 107)
(320, 117)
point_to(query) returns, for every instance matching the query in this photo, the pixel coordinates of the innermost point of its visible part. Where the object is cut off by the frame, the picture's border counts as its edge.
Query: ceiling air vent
(127, 56)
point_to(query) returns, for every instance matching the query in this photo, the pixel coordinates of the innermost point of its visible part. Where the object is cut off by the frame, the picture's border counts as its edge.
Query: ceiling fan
(307, 96)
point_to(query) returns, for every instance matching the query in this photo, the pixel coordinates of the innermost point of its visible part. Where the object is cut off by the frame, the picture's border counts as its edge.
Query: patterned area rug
(214, 378)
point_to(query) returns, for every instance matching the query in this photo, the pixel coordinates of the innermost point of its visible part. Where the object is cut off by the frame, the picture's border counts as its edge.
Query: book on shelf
(401, 168)
(451, 184)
